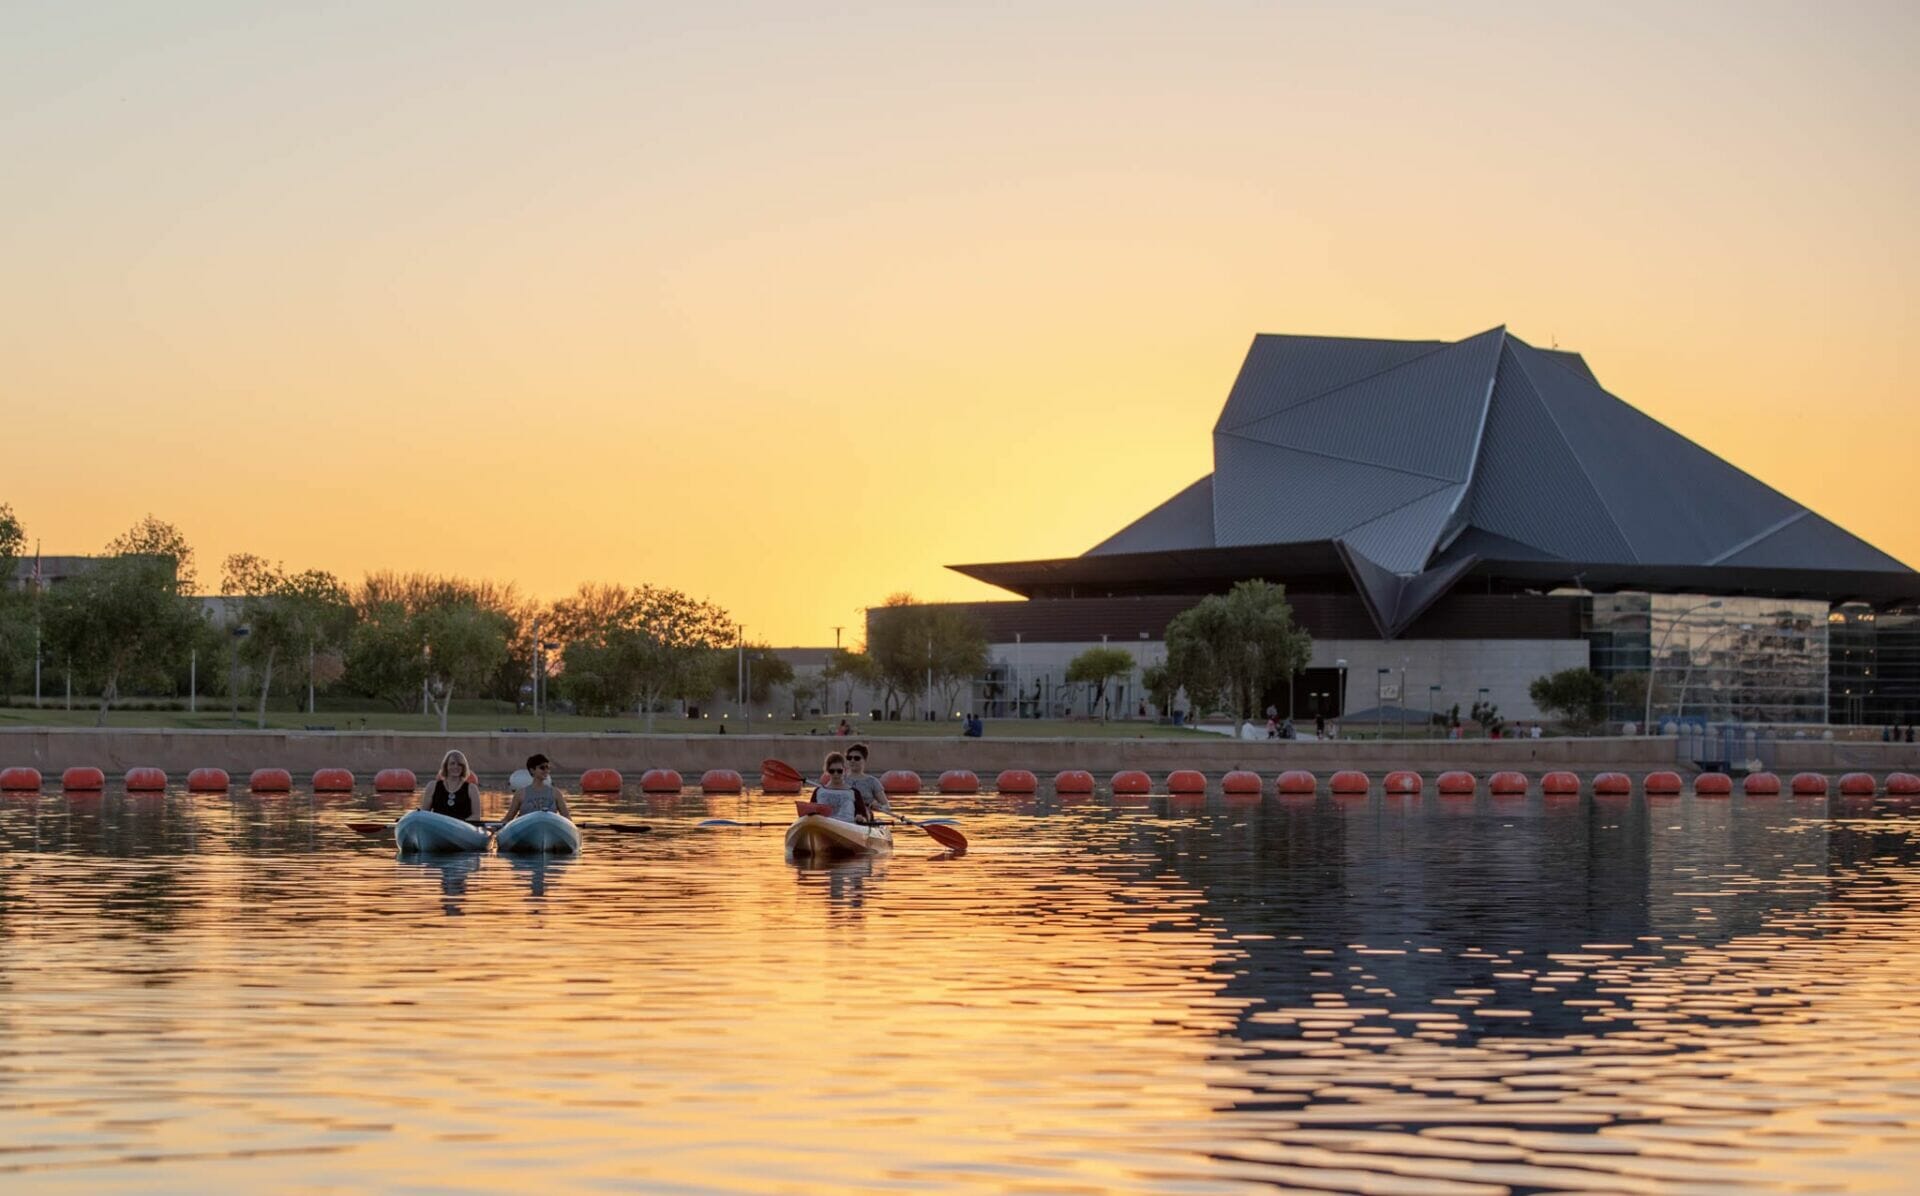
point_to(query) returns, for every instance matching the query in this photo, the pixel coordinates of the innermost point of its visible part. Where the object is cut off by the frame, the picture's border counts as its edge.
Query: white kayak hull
(816, 836)
(539, 833)
(423, 832)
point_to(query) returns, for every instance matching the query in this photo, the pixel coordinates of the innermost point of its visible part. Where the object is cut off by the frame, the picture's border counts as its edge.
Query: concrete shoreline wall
(52, 749)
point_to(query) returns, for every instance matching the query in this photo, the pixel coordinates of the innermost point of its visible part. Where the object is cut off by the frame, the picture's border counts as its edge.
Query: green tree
(1097, 667)
(17, 606)
(287, 616)
(799, 693)
(900, 644)
(959, 653)
(1577, 697)
(638, 647)
(1238, 645)
(1627, 696)
(1157, 680)
(127, 618)
(853, 668)
(384, 652)
(157, 537)
(464, 644)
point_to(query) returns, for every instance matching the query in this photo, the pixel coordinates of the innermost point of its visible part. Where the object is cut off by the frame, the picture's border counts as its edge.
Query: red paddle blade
(370, 828)
(946, 837)
(780, 770)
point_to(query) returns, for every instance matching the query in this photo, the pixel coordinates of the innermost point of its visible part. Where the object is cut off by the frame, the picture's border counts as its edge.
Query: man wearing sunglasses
(872, 794)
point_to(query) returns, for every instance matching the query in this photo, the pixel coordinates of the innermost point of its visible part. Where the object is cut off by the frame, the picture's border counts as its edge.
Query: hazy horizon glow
(791, 312)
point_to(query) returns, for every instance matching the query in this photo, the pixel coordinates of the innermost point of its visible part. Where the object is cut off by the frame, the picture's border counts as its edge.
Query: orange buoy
(900, 780)
(332, 780)
(1243, 783)
(146, 780)
(270, 780)
(1351, 782)
(1016, 780)
(602, 780)
(1760, 784)
(1073, 780)
(1560, 784)
(1295, 782)
(395, 780)
(1809, 784)
(1456, 783)
(721, 780)
(19, 778)
(208, 780)
(1507, 784)
(1713, 784)
(83, 779)
(959, 780)
(1131, 782)
(1402, 782)
(661, 780)
(1858, 784)
(1664, 783)
(1903, 784)
(1186, 781)
(1612, 784)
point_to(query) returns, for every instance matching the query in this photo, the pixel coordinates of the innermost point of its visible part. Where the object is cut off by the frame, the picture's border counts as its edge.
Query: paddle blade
(946, 837)
(370, 828)
(780, 770)
(520, 779)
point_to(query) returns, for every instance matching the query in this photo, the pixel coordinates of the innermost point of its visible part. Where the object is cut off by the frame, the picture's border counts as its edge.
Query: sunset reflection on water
(1378, 995)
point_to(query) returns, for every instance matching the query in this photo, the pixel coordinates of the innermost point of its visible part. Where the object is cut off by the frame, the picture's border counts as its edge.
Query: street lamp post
(1340, 689)
(1653, 661)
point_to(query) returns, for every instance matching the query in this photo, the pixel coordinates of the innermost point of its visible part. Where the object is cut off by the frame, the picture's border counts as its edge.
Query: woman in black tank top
(453, 791)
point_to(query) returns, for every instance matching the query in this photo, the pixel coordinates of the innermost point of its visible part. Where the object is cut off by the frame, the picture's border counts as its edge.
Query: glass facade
(1875, 665)
(1731, 659)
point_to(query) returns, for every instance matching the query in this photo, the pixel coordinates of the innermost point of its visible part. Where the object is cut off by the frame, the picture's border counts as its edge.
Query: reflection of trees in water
(1494, 887)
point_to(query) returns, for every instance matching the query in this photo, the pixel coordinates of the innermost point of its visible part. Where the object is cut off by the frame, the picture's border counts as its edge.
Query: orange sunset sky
(791, 306)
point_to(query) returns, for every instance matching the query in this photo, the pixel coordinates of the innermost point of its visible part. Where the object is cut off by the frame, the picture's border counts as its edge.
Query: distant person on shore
(453, 792)
(843, 729)
(540, 797)
(872, 794)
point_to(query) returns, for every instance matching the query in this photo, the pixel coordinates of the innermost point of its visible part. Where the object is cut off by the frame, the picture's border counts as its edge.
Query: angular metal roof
(1419, 462)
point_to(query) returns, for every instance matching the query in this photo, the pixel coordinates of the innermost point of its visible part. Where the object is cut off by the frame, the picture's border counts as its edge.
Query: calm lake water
(1381, 995)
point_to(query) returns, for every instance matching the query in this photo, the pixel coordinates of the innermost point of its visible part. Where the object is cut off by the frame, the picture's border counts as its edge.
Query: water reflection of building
(1453, 520)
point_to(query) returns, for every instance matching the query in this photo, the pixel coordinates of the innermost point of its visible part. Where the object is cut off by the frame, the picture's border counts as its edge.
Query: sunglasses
(834, 772)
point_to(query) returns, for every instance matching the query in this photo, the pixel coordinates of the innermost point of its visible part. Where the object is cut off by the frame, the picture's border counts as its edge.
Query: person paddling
(835, 793)
(539, 797)
(453, 792)
(872, 794)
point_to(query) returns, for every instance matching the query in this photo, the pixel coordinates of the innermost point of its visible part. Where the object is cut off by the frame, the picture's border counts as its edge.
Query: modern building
(1454, 519)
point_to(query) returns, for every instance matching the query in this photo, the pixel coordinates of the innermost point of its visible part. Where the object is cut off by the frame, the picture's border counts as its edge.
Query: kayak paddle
(944, 835)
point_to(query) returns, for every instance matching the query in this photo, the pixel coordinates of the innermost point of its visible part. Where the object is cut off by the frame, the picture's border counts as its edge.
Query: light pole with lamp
(1653, 661)
(1680, 707)
(1340, 689)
